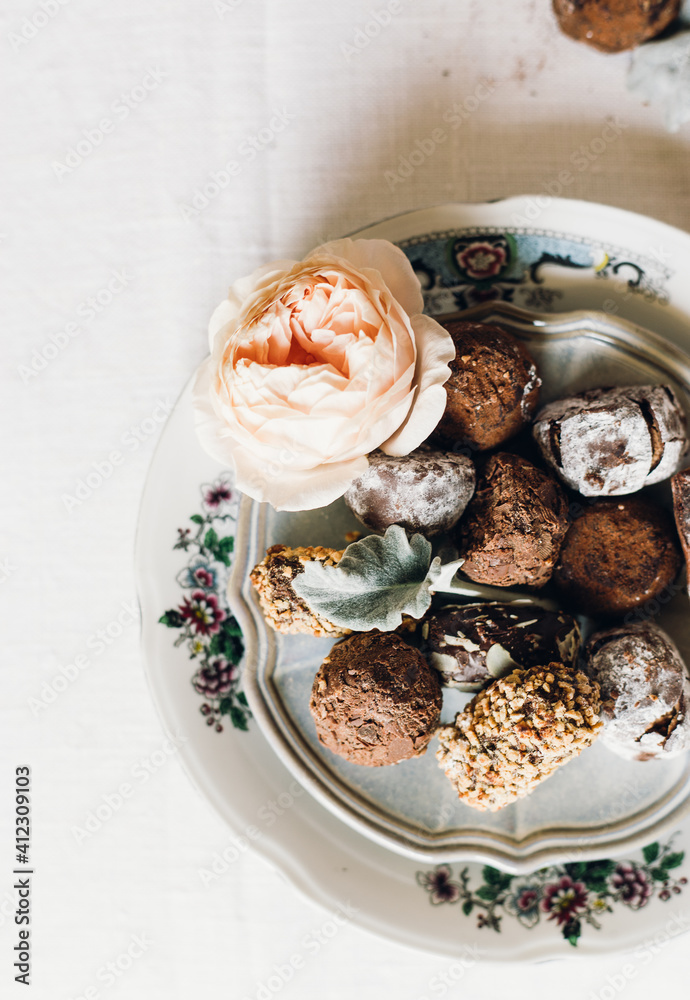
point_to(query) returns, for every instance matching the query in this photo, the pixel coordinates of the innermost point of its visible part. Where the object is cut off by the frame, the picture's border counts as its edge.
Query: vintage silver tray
(598, 805)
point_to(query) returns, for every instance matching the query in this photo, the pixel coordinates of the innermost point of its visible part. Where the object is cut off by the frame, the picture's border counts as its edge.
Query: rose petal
(435, 349)
(286, 489)
(388, 260)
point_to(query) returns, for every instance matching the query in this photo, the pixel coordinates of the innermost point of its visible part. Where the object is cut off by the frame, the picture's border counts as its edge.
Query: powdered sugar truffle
(610, 442)
(425, 491)
(645, 691)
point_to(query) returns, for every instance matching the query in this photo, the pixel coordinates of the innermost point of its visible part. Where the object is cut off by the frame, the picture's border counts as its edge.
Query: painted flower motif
(631, 885)
(216, 678)
(316, 363)
(202, 612)
(564, 899)
(219, 498)
(198, 573)
(439, 885)
(482, 260)
(523, 902)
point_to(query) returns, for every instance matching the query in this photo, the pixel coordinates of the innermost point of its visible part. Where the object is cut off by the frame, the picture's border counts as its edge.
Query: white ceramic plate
(573, 256)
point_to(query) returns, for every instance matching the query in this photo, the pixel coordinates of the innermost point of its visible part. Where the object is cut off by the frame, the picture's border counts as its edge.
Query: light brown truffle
(617, 555)
(514, 525)
(283, 610)
(517, 732)
(681, 510)
(614, 25)
(375, 700)
(493, 388)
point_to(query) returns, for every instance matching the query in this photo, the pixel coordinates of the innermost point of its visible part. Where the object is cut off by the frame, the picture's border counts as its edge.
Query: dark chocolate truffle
(614, 25)
(617, 555)
(493, 388)
(645, 691)
(609, 442)
(514, 525)
(681, 509)
(424, 491)
(473, 644)
(375, 700)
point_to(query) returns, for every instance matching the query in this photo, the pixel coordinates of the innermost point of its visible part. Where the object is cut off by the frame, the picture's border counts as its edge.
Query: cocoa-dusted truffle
(473, 644)
(283, 609)
(375, 700)
(645, 691)
(517, 732)
(493, 388)
(617, 555)
(681, 509)
(514, 525)
(614, 25)
(424, 491)
(608, 442)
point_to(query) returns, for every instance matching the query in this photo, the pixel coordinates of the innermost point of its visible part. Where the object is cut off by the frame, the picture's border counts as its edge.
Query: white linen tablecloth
(115, 116)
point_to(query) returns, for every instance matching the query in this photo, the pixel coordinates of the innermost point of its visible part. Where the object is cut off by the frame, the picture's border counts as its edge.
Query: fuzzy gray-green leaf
(377, 580)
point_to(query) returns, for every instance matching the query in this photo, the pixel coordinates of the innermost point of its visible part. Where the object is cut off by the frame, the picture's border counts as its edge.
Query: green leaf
(672, 860)
(659, 874)
(489, 892)
(238, 718)
(492, 876)
(576, 870)
(467, 907)
(242, 698)
(172, 618)
(226, 544)
(377, 580)
(573, 939)
(211, 538)
(197, 519)
(650, 853)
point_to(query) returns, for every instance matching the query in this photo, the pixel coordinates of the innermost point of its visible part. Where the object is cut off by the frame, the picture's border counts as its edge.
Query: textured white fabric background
(221, 72)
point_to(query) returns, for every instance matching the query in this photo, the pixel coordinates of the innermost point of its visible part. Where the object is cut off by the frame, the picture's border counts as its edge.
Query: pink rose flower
(316, 363)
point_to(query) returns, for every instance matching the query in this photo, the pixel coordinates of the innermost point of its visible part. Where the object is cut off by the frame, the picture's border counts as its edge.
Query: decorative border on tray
(463, 267)
(207, 626)
(571, 895)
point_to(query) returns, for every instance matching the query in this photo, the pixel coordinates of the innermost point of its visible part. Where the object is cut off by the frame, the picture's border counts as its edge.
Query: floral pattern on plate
(570, 895)
(207, 626)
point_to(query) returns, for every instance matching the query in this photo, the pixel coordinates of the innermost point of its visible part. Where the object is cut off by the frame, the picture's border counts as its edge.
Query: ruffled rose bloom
(316, 363)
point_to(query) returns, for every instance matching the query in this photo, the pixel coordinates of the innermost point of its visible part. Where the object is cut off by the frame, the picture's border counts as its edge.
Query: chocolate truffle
(375, 700)
(473, 644)
(681, 509)
(614, 25)
(608, 442)
(517, 732)
(617, 555)
(645, 691)
(514, 525)
(283, 610)
(424, 491)
(493, 388)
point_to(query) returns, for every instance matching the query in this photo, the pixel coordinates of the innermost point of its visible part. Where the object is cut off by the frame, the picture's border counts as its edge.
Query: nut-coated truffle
(617, 555)
(283, 610)
(517, 732)
(514, 525)
(424, 491)
(493, 388)
(473, 644)
(645, 691)
(375, 700)
(615, 25)
(609, 442)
